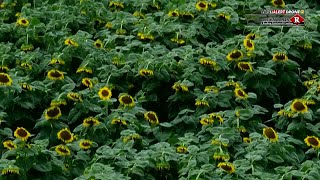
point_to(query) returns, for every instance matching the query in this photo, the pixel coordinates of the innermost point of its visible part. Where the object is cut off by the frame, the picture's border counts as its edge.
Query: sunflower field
(157, 89)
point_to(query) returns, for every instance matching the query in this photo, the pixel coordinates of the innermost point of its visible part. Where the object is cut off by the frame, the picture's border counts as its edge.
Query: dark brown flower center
(249, 44)
(222, 16)
(85, 144)
(4, 78)
(53, 112)
(202, 5)
(313, 141)
(98, 45)
(174, 14)
(23, 21)
(235, 55)
(244, 66)
(22, 133)
(152, 117)
(240, 93)
(105, 93)
(126, 100)
(10, 145)
(278, 2)
(63, 150)
(226, 168)
(270, 133)
(280, 57)
(55, 74)
(299, 106)
(252, 37)
(65, 135)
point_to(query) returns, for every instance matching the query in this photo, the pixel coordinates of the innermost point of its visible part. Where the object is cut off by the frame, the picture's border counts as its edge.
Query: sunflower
(53, 113)
(299, 106)
(217, 117)
(207, 62)
(26, 87)
(224, 16)
(138, 14)
(174, 13)
(126, 100)
(27, 47)
(146, 72)
(179, 87)
(5, 79)
(65, 135)
(281, 57)
(187, 15)
(4, 69)
(22, 134)
(219, 143)
(206, 121)
(87, 82)
(213, 5)
(105, 93)
(151, 117)
(116, 4)
(119, 122)
(202, 6)
(84, 69)
(9, 144)
(23, 22)
(251, 36)
(55, 75)
(10, 170)
(121, 31)
(278, 3)
(227, 166)
(62, 150)
(133, 137)
(182, 149)
(202, 103)
(85, 144)
(312, 141)
(248, 44)
(239, 93)
(26, 66)
(178, 41)
(220, 156)
(56, 61)
(285, 113)
(58, 103)
(74, 96)
(163, 166)
(247, 140)
(143, 36)
(90, 121)
(211, 89)
(98, 43)
(235, 55)
(70, 42)
(270, 134)
(108, 25)
(245, 66)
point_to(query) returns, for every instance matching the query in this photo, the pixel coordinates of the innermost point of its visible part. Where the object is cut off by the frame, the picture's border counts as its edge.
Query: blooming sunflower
(245, 66)
(235, 55)
(211, 89)
(146, 72)
(10, 170)
(239, 93)
(206, 121)
(84, 69)
(87, 82)
(23, 22)
(65, 135)
(56, 61)
(180, 87)
(22, 134)
(278, 3)
(281, 57)
(26, 87)
(126, 100)
(220, 156)
(224, 16)
(62, 150)
(116, 4)
(178, 41)
(174, 13)
(5, 79)
(108, 25)
(55, 75)
(4, 69)
(247, 140)
(9, 144)
(312, 141)
(202, 103)
(182, 149)
(299, 106)
(227, 166)
(53, 113)
(90, 121)
(217, 117)
(202, 6)
(85, 144)
(26, 66)
(98, 43)
(74, 96)
(151, 117)
(70, 42)
(119, 122)
(105, 93)
(248, 44)
(270, 134)
(207, 62)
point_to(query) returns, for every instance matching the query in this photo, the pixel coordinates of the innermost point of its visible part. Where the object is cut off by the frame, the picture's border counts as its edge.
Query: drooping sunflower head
(240, 93)
(62, 150)
(207, 62)
(85, 144)
(133, 137)
(247, 140)
(4, 69)
(70, 42)
(151, 117)
(65, 135)
(58, 103)
(55, 75)
(27, 47)
(182, 149)
(55, 61)
(223, 16)
(281, 57)
(180, 87)
(90, 121)
(9, 144)
(26, 66)
(235, 55)
(116, 4)
(126, 100)
(245, 66)
(74, 97)
(22, 134)
(221, 156)
(11, 170)
(216, 117)
(248, 44)
(105, 93)
(299, 106)
(177, 40)
(87, 82)
(187, 15)
(108, 25)
(312, 141)
(211, 89)
(98, 44)
(270, 134)
(26, 87)
(202, 103)
(206, 121)
(227, 166)
(146, 72)
(53, 112)
(278, 3)
(84, 70)
(23, 22)
(173, 13)
(5, 79)
(202, 6)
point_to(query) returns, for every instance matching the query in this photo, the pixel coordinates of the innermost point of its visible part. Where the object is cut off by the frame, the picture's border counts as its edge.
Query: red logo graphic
(297, 19)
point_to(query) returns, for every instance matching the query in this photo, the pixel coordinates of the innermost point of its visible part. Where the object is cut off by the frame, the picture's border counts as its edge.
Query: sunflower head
(70, 42)
(207, 62)
(180, 87)
(26, 65)
(62, 150)
(9, 144)
(235, 55)
(74, 97)
(53, 113)
(247, 140)
(146, 72)
(55, 61)
(4, 69)
(55, 75)
(126, 100)
(84, 70)
(119, 122)
(27, 47)
(206, 121)
(105, 93)
(58, 103)
(22, 134)
(98, 44)
(151, 117)
(224, 17)
(26, 87)
(312, 141)
(202, 6)
(174, 13)
(220, 156)
(10, 171)
(5, 79)
(23, 22)
(116, 4)
(245, 66)
(281, 57)
(278, 3)
(270, 134)
(87, 82)
(108, 25)
(252, 36)
(187, 15)
(248, 44)
(177, 40)
(240, 93)
(202, 103)
(227, 166)
(90, 122)
(65, 135)
(299, 106)
(85, 144)
(182, 149)
(216, 117)
(211, 89)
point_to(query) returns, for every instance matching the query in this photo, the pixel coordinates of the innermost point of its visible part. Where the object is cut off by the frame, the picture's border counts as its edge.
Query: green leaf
(275, 158)
(43, 167)
(166, 124)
